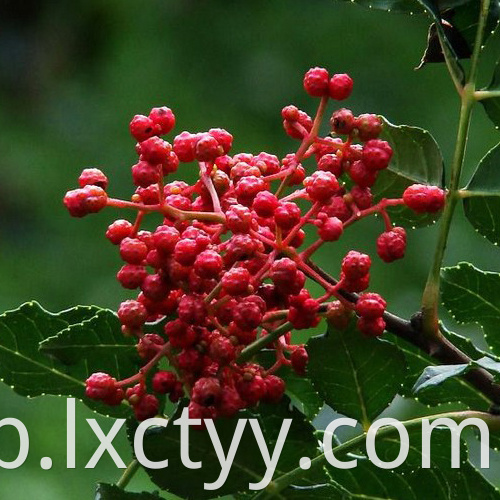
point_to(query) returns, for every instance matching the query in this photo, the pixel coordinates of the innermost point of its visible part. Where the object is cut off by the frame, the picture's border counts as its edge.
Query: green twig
(480, 95)
(455, 71)
(430, 297)
(263, 341)
(282, 482)
(128, 474)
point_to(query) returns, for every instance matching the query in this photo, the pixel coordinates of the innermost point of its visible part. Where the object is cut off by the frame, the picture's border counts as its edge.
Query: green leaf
(248, 466)
(27, 370)
(473, 296)
(299, 388)
(492, 106)
(489, 364)
(465, 19)
(416, 159)
(482, 206)
(357, 376)
(457, 24)
(452, 389)
(111, 492)
(458, 30)
(94, 345)
(162, 443)
(404, 6)
(301, 440)
(435, 375)
(327, 491)
(410, 480)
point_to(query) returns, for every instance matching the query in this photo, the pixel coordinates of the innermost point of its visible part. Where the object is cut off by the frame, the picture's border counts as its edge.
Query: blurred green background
(72, 74)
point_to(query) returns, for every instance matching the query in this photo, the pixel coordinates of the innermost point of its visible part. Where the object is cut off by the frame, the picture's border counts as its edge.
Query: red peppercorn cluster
(226, 268)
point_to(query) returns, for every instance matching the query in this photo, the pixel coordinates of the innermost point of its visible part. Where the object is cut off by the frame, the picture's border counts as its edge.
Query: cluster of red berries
(225, 268)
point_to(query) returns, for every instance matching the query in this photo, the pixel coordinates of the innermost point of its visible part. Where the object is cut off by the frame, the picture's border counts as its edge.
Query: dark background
(72, 74)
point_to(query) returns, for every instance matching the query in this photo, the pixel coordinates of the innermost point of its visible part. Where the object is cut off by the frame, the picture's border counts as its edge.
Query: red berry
(265, 203)
(198, 412)
(131, 276)
(239, 219)
(149, 195)
(248, 314)
(244, 337)
(223, 137)
(355, 265)
(170, 164)
(236, 281)
(337, 207)
(190, 360)
(297, 176)
(135, 394)
(119, 230)
(331, 229)
(132, 313)
(180, 334)
(355, 284)
(287, 215)
(321, 186)
(290, 113)
(252, 391)
(222, 350)
(283, 272)
(186, 251)
(302, 312)
(207, 148)
(362, 197)
(299, 359)
(224, 163)
(206, 391)
(154, 150)
(192, 310)
(369, 126)
(338, 316)
(94, 177)
(163, 118)
(154, 287)
(376, 154)
(248, 187)
(133, 250)
(84, 201)
(268, 164)
(144, 174)
(331, 163)
(149, 345)
(147, 407)
(184, 146)
(371, 327)
(142, 128)
(230, 403)
(342, 121)
(422, 198)
(361, 175)
(103, 387)
(275, 388)
(370, 305)
(165, 238)
(316, 82)
(164, 381)
(208, 264)
(340, 86)
(391, 245)
(177, 392)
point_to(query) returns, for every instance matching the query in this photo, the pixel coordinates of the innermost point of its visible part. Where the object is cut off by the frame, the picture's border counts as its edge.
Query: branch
(441, 349)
